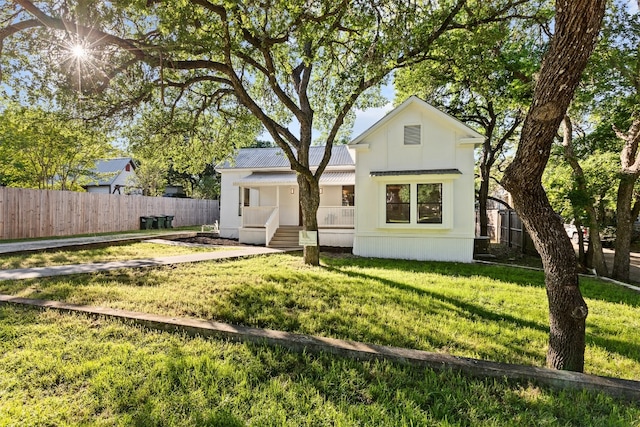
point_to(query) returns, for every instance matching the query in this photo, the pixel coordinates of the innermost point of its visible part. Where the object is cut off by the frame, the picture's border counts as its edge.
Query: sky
(367, 118)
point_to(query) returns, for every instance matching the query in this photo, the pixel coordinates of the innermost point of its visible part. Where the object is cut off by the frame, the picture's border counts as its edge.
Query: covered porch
(270, 202)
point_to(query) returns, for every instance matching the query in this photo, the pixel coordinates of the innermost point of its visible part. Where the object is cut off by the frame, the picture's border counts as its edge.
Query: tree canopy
(484, 78)
(295, 67)
(47, 150)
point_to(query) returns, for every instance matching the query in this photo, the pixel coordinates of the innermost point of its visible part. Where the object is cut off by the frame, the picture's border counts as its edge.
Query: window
(429, 204)
(247, 196)
(398, 204)
(416, 205)
(412, 135)
(348, 195)
(244, 199)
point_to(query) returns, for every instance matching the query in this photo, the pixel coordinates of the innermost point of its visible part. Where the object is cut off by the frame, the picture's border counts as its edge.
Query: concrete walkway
(228, 252)
(62, 270)
(79, 242)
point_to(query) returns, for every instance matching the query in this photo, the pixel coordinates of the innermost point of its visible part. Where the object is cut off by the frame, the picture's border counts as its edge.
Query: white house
(111, 176)
(402, 189)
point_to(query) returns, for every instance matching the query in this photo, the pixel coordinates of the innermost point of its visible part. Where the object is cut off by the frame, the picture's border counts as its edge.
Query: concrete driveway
(634, 265)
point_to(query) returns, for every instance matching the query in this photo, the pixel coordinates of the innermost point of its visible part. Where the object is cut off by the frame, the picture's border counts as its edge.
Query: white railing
(336, 216)
(256, 216)
(272, 224)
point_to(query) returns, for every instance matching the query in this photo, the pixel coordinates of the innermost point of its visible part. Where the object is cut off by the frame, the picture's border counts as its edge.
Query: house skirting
(336, 237)
(252, 236)
(417, 247)
(229, 232)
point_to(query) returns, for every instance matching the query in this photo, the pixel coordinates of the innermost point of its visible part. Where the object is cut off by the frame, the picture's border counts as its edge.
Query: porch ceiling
(266, 178)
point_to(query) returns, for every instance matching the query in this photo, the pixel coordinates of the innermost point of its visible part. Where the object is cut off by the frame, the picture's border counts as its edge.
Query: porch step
(285, 237)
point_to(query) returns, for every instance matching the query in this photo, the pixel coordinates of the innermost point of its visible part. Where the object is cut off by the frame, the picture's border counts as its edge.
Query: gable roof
(107, 170)
(414, 100)
(274, 157)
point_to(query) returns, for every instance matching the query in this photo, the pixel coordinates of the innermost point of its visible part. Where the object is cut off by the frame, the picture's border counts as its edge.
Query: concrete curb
(625, 389)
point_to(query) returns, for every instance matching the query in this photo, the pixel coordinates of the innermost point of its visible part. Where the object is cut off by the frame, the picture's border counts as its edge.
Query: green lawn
(138, 250)
(487, 312)
(65, 369)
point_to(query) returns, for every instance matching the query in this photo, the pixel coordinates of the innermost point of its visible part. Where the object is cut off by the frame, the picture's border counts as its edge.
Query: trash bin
(168, 220)
(146, 222)
(159, 221)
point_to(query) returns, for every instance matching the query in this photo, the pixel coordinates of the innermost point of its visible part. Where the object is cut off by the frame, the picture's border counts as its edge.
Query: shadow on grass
(627, 349)
(470, 311)
(590, 287)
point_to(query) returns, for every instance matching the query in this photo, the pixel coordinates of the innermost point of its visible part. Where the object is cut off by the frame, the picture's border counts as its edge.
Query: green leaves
(41, 149)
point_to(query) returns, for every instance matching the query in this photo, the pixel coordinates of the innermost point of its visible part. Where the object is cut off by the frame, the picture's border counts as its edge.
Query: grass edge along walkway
(625, 389)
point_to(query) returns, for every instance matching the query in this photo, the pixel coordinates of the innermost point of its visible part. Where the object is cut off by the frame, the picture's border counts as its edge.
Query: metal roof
(417, 172)
(266, 178)
(274, 157)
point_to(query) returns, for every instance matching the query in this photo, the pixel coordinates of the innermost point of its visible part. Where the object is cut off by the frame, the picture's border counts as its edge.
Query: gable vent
(412, 135)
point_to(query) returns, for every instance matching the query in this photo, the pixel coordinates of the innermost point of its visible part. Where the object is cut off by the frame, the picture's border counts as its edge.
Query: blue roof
(274, 157)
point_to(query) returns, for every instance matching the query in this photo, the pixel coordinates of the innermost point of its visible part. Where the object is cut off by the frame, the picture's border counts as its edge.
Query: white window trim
(413, 181)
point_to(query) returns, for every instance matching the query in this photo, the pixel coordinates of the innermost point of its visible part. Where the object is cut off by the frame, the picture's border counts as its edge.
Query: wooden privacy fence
(513, 232)
(28, 213)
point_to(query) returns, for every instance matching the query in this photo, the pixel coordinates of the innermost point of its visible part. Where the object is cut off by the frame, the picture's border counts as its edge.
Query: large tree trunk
(309, 202)
(577, 25)
(567, 308)
(624, 224)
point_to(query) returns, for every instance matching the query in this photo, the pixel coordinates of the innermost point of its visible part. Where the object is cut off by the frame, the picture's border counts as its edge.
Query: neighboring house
(111, 176)
(402, 189)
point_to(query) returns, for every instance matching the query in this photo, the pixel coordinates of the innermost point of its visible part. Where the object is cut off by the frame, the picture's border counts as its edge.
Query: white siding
(439, 149)
(269, 196)
(422, 248)
(340, 238)
(230, 221)
(124, 178)
(331, 196)
(289, 206)
(102, 190)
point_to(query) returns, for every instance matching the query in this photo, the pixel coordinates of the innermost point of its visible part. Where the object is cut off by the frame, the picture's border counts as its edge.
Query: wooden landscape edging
(626, 389)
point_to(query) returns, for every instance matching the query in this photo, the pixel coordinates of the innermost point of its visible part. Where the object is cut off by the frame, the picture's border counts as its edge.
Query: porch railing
(256, 216)
(328, 216)
(271, 225)
(336, 216)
